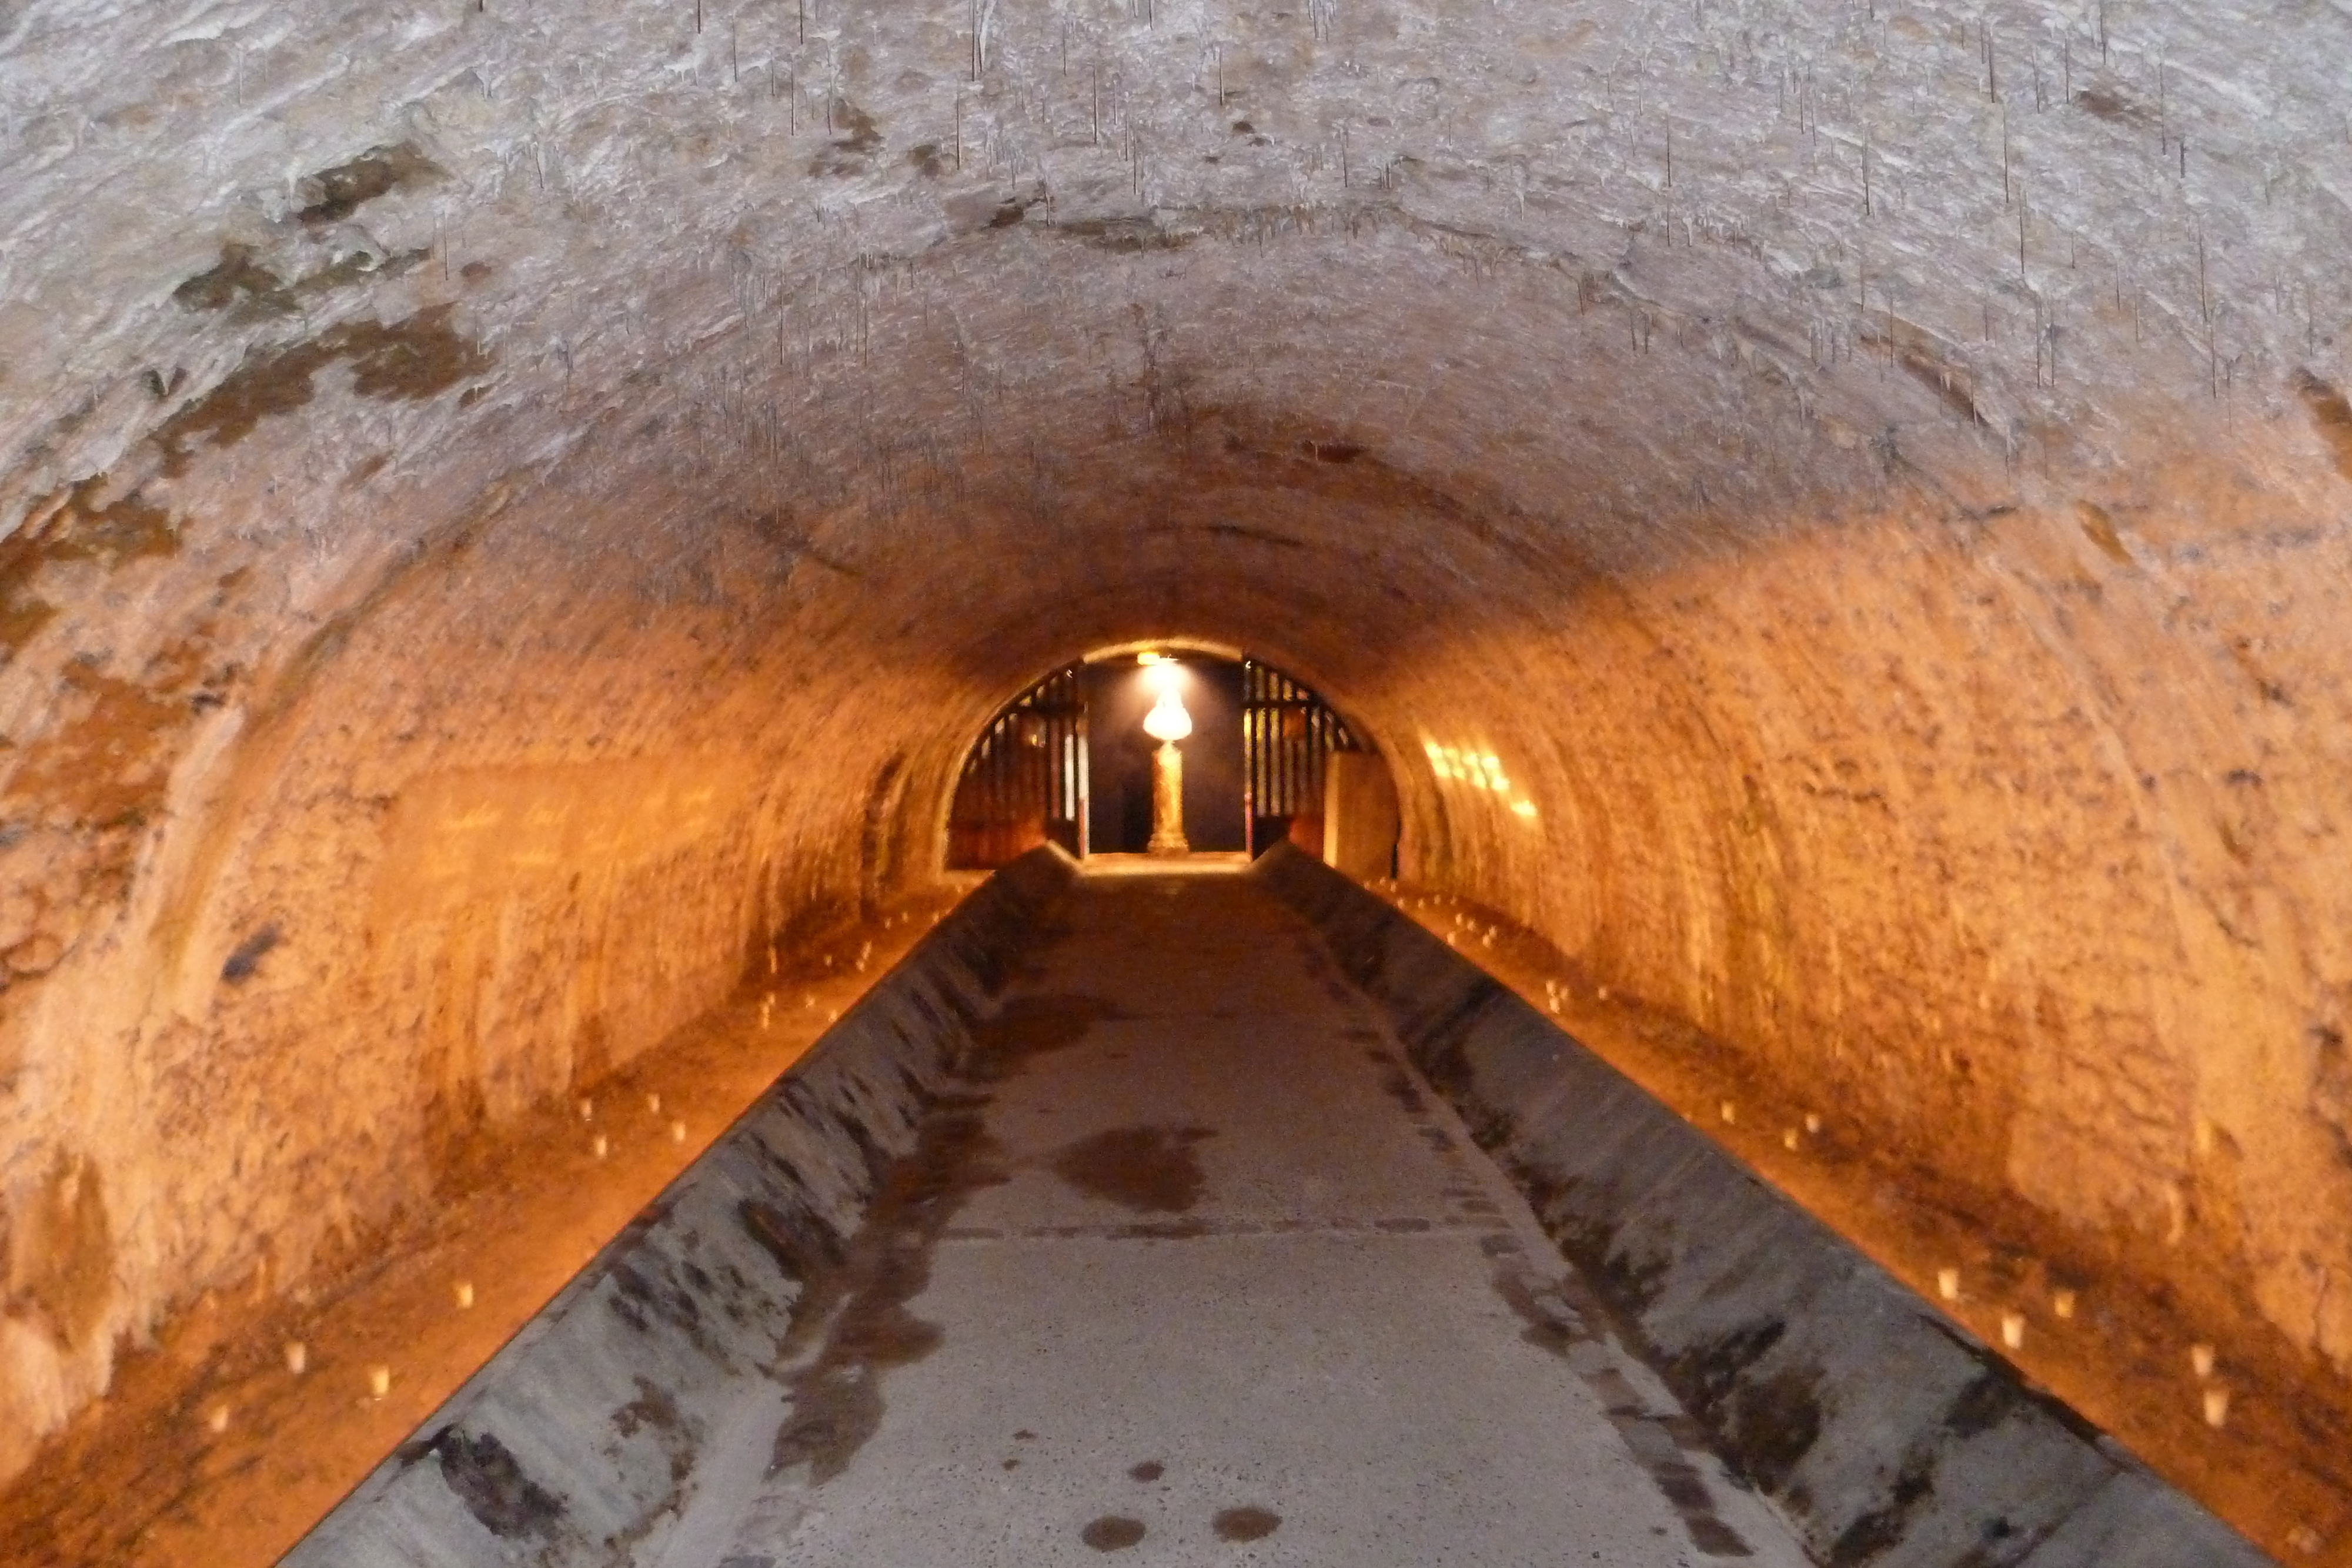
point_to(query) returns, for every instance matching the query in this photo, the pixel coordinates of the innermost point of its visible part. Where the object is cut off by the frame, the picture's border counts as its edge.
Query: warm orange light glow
(1168, 721)
(1480, 770)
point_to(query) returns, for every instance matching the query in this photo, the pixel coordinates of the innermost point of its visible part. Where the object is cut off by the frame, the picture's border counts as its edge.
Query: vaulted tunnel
(514, 514)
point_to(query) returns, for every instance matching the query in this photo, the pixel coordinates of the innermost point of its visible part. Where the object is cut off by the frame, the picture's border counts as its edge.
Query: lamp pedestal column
(1168, 801)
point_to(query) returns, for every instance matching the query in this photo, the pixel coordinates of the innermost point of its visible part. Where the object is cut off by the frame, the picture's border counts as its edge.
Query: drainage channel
(1124, 1221)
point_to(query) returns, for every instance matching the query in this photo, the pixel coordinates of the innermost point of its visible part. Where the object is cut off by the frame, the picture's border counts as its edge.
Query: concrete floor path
(1200, 1273)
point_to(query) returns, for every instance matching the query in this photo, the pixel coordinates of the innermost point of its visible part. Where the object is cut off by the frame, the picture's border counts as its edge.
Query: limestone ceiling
(1598, 266)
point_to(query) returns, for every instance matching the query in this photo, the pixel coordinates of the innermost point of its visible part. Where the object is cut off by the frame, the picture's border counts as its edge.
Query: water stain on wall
(236, 280)
(2099, 527)
(1123, 235)
(74, 524)
(74, 808)
(2331, 1086)
(407, 361)
(2331, 415)
(337, 193)
(250, 291)
(856, 139)
(89, 790)
(60, 1251)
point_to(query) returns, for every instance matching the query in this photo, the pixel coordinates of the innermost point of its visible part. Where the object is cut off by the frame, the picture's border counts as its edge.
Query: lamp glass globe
(1168, 720)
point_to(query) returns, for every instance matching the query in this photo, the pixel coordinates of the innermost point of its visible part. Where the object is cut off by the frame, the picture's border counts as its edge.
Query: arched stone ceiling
(1875, 474)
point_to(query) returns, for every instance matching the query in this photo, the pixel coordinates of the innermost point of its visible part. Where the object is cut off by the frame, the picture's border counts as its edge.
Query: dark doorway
(1119, 756)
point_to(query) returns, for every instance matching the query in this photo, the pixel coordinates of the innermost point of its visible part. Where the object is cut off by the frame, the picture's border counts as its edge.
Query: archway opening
(1082, 758)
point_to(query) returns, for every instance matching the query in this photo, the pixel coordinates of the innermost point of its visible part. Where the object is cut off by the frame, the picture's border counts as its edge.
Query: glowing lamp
(1168, 722)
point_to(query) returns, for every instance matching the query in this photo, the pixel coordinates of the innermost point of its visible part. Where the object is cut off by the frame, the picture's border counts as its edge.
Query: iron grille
(1023, 783)
(1286, 733)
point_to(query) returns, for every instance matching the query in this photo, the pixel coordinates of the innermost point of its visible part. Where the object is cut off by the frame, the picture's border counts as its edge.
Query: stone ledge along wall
(1887, 1435)
(579, 1443)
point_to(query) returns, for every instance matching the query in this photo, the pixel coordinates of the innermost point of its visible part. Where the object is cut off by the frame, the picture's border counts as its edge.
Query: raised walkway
(1201, 1273)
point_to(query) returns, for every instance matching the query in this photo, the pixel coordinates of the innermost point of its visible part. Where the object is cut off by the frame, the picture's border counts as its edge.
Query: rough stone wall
(503, 506)
(2018, 838)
